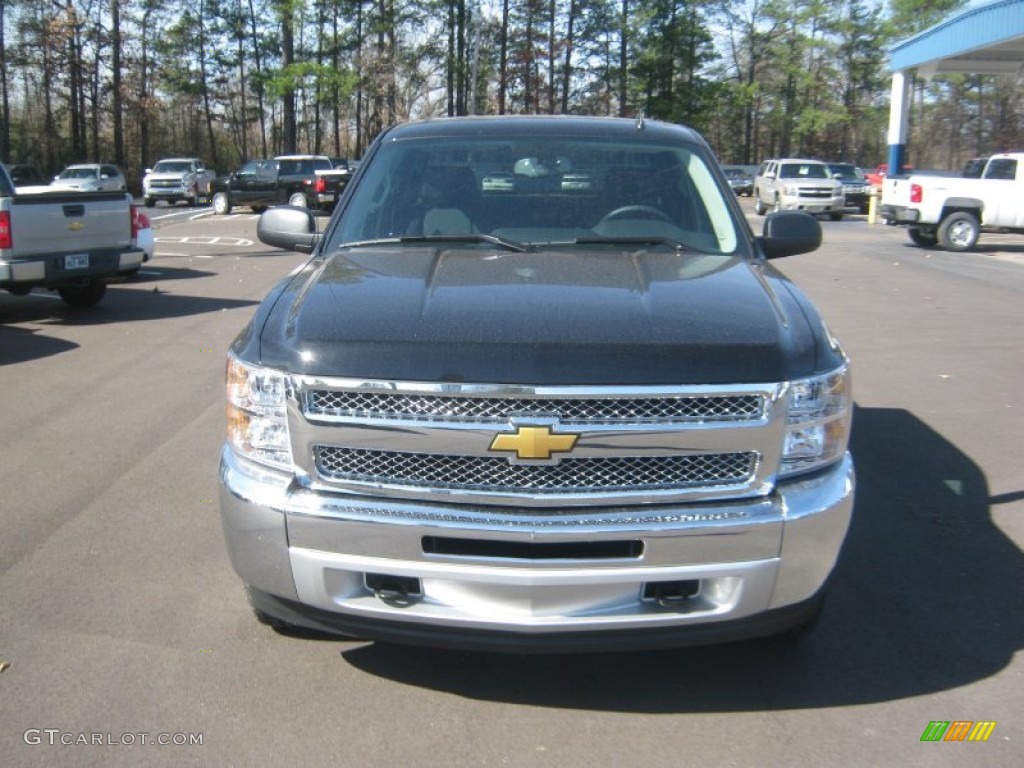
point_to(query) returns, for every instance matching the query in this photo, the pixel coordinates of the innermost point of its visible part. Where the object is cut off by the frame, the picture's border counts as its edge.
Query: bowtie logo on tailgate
(534, 442)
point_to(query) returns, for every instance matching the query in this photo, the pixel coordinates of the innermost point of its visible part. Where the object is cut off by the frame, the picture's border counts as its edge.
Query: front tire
(149, 202)
(83, 296)
(759, 208)
(959, 231)
(836, 216)
(221, 204)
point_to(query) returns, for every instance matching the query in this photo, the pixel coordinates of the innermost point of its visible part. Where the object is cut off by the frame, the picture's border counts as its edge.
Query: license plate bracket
(76, 261)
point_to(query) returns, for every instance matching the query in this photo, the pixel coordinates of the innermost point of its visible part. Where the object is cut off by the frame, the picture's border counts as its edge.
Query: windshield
(803, 171)
(539, 190)
(172, 166)
(79, 173)
(841, 171)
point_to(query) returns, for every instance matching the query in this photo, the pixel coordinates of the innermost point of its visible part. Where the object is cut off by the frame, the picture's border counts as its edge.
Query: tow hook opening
(396, 591)
(671, 594)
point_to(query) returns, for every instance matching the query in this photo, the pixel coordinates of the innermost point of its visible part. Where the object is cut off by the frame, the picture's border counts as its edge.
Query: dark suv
(856, 188)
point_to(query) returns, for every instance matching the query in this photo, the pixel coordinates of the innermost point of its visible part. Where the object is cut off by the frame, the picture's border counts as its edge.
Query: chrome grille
(815, 192)
(631, 410)
(497, 475)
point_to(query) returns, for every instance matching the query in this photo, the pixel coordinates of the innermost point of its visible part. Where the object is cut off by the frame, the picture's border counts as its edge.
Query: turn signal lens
(256, 413)
(820, 410)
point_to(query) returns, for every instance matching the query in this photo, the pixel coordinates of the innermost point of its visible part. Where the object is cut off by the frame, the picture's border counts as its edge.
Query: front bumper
(813, 204)
(754, 566)
(857, 199)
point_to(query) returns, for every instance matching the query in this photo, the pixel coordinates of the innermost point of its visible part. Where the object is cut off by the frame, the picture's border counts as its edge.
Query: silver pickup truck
(71, 242)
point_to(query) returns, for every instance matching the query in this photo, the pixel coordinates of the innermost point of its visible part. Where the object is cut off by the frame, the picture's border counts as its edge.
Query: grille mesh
(683, 409)
(498, 475)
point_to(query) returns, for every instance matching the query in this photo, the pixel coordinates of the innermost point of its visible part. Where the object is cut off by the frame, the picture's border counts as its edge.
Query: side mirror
(787, 233)
(288, 227)
(148, 170)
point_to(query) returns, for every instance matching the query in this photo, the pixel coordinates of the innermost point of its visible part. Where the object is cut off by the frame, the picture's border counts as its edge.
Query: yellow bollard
(873, 204)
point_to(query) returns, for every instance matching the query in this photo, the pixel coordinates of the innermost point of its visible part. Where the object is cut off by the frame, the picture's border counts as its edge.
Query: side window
(249, 169)
(1001, 168)
(267, 170)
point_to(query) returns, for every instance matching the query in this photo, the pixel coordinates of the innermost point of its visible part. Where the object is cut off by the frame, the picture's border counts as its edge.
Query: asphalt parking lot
(123, 626)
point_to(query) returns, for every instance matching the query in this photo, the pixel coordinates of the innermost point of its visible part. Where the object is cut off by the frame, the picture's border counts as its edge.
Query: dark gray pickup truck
(537, 388)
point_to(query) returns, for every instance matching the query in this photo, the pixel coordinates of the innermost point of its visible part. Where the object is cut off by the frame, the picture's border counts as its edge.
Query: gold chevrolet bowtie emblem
(74, 226)
(534, 443)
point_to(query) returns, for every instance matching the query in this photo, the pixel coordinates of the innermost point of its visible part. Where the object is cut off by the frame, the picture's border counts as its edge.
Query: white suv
(798, 185)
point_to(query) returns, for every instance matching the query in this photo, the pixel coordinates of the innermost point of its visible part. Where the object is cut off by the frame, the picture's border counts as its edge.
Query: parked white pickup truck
(953, 212)
(71, 242)
(177, 179)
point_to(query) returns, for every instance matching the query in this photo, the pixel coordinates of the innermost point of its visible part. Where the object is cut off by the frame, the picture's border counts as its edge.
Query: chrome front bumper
(745, 559)
(813, 204)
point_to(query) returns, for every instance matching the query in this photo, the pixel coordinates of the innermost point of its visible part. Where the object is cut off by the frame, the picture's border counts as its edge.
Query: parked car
(741, 182)
(856, 188)
(794, 184)
(91, 177)
(174, 179)
(306, 181)
(954, 212)
(498, 182)
(144, 237)
(24, 175)
(67, 241)
(877, 176)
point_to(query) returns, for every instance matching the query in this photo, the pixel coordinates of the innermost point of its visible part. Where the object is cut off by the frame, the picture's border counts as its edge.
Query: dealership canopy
(985, 40)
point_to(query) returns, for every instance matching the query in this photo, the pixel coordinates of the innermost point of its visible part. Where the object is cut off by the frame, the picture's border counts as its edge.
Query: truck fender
(970, 204)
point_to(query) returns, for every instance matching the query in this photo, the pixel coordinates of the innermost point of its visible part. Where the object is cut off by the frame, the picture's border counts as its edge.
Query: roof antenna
(640, 120)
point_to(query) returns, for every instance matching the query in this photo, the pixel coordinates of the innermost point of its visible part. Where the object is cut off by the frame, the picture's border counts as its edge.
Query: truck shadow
(122, 304)
(18, 345)
(927, 598)
(152, 273)
(983, 247)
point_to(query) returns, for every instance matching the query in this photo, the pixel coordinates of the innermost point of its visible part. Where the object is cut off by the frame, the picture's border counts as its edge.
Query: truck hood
(549, 317)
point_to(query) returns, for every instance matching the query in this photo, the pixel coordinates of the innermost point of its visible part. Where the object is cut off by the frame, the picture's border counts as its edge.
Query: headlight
(257, 420)
(818, 428)
(791, 190)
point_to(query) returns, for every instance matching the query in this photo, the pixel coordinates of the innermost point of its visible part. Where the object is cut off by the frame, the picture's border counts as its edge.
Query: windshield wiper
(472, 237)
(633, 240)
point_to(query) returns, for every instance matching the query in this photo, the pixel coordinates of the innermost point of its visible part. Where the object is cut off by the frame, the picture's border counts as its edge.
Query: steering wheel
(631, 211)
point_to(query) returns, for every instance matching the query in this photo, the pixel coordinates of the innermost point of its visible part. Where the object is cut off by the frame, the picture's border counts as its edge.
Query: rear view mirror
(288, 227)
(787, 233)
